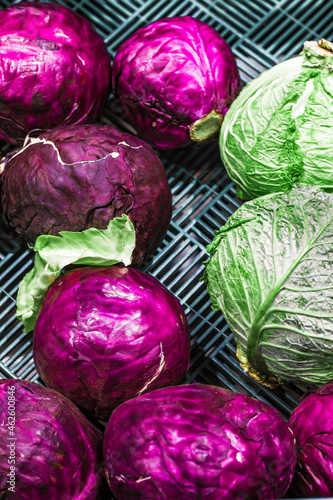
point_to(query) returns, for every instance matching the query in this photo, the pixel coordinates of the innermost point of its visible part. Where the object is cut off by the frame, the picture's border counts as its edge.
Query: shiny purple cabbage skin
(104, 335)
(198, 441)
(57, 453)
(172, 73)
(312, 425)
(103, 173)
(54, 69)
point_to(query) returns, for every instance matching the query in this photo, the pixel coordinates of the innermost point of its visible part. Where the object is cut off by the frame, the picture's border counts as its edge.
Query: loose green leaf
(271, 274)
(90, 247)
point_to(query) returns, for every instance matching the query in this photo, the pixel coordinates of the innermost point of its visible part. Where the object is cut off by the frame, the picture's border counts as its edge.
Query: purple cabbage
(312, 425)
(54, 69)
(107, 334)
(48, 449)
(198, 441)
(175, 80)
(80, 176)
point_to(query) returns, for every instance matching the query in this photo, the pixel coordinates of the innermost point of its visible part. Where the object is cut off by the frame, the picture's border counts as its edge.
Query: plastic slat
(5, 373)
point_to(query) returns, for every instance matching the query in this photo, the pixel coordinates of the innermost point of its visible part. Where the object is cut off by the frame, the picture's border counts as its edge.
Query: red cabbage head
(54, 69)
(175, 79)
(76, 177)
(198, 441)
(48, 449)
(107, 334)
(312, 425)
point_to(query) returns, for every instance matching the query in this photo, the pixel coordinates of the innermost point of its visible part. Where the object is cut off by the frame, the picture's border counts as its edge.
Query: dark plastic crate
(261, 33)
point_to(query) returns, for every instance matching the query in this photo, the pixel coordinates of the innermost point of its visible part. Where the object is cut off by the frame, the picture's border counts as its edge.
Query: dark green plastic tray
(261, 34)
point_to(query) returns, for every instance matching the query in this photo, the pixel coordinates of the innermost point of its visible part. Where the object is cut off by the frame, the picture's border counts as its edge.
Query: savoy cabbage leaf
(271, 273)
(279, 130)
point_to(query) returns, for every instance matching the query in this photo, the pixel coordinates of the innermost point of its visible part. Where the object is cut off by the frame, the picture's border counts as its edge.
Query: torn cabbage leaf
(98, 247)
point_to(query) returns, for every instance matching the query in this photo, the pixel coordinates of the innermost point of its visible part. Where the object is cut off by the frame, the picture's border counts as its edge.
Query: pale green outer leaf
(279, 130)
(271, 274)
(92, 247)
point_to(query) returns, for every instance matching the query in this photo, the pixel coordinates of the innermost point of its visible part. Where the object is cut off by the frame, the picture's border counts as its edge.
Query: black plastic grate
(261, 33)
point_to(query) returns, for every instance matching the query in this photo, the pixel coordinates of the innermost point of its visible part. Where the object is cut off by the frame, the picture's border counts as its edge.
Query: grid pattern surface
(260, 33)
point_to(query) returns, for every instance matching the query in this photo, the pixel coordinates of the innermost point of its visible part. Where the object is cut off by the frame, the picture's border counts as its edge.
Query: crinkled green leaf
(90, 247)
(279, 130)
(271, 274)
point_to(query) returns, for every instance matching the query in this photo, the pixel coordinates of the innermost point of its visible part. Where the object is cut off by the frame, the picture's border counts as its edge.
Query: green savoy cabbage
(279, 130)
(270, 271)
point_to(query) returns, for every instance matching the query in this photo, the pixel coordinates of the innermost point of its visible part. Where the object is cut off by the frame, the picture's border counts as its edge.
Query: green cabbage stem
(206, 127)
(325, 44)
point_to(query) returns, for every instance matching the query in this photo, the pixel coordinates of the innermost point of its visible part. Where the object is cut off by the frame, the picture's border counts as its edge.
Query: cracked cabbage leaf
(271, 273)
(279, 130)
